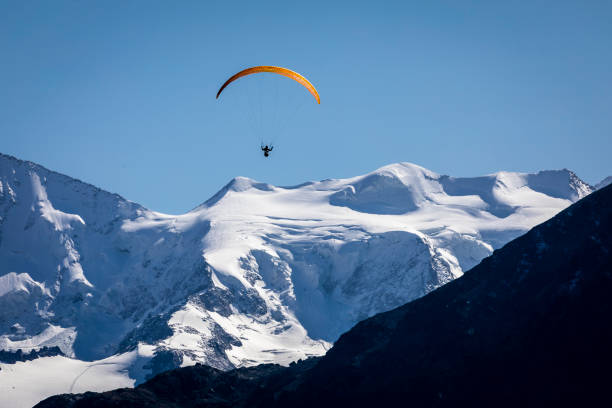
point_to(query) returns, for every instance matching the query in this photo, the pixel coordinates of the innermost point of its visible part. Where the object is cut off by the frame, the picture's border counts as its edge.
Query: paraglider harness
(266, 150)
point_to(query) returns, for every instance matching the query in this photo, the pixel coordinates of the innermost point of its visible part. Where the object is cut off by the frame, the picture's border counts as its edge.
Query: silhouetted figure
(267, 150)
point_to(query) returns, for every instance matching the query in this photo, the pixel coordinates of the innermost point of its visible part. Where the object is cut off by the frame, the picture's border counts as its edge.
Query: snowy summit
(256, 274)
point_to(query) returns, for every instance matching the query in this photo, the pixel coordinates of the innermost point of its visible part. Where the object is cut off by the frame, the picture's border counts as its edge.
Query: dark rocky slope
(530, 325)
(11, 357)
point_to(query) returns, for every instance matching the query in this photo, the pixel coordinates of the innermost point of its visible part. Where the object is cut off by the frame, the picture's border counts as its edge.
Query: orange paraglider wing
(275, 70)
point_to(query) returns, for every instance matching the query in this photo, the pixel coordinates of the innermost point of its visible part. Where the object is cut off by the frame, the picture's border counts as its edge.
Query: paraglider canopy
(261, 104)
(275, 70)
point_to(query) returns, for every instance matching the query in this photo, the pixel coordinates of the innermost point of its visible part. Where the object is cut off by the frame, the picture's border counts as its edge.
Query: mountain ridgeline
(257, 274)
(528, 326)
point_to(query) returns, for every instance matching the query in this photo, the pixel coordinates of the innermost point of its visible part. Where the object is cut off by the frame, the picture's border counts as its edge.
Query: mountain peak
(238, 185)
(393, 189)
(562, 183)
(58, 184)
(402, 168)
(604, 183)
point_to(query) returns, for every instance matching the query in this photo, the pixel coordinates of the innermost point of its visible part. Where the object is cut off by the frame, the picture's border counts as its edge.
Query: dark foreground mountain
(530, 325)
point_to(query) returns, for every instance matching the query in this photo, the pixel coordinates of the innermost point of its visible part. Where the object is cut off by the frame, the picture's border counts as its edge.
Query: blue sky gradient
(122, 94)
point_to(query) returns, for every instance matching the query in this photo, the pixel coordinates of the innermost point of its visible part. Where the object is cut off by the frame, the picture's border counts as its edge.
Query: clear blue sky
(121, 93)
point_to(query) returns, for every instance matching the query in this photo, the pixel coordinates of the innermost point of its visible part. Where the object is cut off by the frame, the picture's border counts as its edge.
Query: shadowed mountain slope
(530, 325)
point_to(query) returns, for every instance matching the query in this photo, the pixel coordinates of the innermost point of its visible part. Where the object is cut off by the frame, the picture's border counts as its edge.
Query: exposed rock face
(11, 357)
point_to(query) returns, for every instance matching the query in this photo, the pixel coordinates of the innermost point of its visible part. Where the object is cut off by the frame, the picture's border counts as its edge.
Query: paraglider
(267, 150)
(267, 147)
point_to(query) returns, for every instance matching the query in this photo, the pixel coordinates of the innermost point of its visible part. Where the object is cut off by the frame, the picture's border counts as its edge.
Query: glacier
(256, 274)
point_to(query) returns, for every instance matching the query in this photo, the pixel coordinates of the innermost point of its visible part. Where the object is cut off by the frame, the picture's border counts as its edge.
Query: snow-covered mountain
(531, 323)
(256, 274)
(603, 183)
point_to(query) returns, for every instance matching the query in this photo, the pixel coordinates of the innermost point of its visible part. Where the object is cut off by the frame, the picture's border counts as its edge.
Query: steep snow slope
(256, 274)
